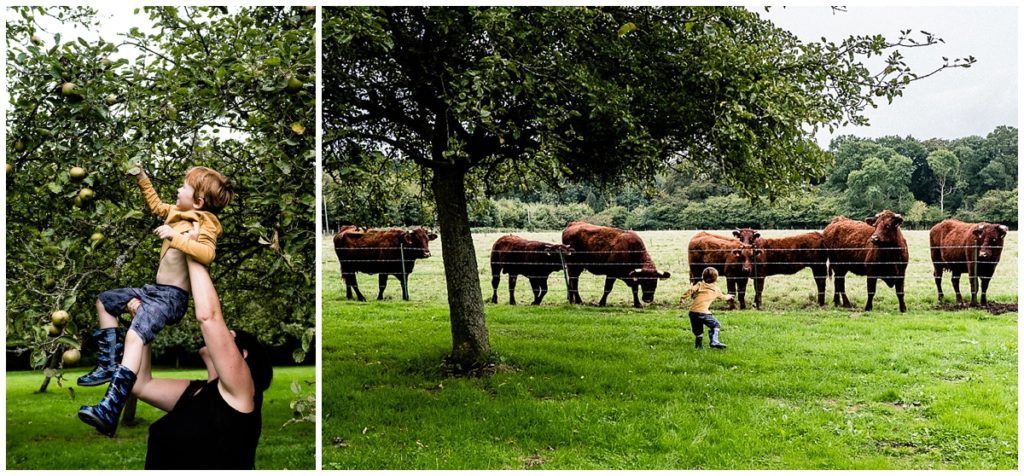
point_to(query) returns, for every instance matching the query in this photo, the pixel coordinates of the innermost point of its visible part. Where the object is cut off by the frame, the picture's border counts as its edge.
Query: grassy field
(614, 387)
(43, 430)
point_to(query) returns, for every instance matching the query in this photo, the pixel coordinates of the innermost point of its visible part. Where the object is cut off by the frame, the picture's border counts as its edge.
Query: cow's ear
(737, 252)
(636, 272)
(899, 219)
(1003, 230)
(736, 233)
(665, 275)
(432, 237)
(756, 235)
(870, 221)
(978, 230)
(407, 237)
(548, 250)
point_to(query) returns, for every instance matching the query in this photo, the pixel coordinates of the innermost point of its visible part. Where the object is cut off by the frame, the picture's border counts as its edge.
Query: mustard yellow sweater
(204, 248)
(703, 295)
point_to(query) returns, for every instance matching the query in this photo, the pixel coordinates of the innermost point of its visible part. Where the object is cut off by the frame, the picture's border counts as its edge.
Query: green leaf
(69, 342)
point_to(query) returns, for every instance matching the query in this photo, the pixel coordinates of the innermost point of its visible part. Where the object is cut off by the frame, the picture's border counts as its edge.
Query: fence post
(565, 271)
(974, 275)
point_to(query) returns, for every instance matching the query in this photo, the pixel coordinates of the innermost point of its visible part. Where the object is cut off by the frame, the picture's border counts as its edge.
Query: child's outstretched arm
(158, 208)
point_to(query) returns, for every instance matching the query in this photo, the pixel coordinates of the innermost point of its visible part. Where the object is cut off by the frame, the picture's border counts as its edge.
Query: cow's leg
(495, 281)
(344, 280)
(937, 273)
(403, 279)
(840, 282)
(955, 279)
(984, 289)
(730, 286)
(820, 275)
(609, 282)
(350, 282)
(635, 287)
(758, 289)
(899, 293)
(540, 288)
(512, 278)
(574, 283)
(872, 287)
(382, 283)
(741, 292)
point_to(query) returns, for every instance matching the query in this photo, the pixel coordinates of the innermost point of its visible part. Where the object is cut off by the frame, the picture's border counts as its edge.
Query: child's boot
(715, 344)
(111, 344)
(699, 342)
(106, 414)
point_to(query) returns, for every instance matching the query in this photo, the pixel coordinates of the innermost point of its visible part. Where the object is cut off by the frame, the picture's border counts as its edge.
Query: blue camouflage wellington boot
(106, 414)
(715, 344)
(111, 344)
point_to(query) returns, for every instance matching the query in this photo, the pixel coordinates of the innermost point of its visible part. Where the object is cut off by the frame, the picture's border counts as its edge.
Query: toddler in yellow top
(704, 292)
(190, 230)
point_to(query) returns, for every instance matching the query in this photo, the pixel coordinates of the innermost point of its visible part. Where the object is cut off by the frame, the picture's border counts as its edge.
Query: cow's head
(989, 240)
(417, 243)
(555, 250)
(648, 281)
(747, 253)
(746, 236)
(887, 227)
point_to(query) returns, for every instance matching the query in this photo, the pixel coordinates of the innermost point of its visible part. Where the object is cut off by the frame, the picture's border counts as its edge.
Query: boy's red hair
(212, 186)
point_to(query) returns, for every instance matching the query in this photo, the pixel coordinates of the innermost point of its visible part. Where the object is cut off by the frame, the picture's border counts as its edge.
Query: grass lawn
(44, 432)
(587, 387)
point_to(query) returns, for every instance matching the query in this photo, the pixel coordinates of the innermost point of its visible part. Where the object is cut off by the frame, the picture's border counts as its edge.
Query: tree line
(971, 178)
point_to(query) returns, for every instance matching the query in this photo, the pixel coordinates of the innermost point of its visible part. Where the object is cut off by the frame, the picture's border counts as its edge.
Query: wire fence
(576, 259)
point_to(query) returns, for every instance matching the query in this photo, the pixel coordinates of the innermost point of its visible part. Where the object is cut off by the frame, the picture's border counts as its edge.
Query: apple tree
(181, 87)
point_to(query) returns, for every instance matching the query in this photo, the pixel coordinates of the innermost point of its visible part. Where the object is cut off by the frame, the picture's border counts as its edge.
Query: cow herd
(873, 247)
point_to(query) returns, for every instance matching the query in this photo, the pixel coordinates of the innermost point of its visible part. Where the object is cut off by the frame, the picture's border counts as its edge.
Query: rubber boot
(715, 344)
(111, 344)
(106, 414)
(699, 342)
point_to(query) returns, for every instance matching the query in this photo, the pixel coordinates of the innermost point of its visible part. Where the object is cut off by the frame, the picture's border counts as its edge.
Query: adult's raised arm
(236, 384)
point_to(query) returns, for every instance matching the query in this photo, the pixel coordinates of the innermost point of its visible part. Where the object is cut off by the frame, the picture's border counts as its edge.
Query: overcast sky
(953, 103)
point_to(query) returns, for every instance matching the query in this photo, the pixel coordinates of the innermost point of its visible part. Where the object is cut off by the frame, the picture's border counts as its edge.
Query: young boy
(190, 228)
(704, 292)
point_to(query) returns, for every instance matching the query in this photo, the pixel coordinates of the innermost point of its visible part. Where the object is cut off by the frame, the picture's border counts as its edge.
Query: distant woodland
(971, 178)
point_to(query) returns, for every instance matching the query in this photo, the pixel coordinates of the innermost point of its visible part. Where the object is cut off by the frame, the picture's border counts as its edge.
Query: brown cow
(611, 252)
(733, 259)
(787, 255)
(874, 248)
(972, 248)
(384, 252)
(534, 259)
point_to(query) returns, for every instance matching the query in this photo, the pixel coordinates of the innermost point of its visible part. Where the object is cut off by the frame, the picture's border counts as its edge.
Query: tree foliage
(183, 87)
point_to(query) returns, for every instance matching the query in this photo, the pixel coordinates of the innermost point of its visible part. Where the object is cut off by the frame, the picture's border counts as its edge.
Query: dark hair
(257, 358)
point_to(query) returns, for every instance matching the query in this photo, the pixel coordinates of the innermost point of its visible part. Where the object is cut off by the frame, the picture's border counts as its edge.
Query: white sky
(953, 103)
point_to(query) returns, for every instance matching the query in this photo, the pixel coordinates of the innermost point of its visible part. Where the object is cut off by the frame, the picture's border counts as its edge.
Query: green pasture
(44, 432)
(582, 387)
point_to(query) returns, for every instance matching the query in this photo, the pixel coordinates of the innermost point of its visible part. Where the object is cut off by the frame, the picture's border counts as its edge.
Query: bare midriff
(173, 270)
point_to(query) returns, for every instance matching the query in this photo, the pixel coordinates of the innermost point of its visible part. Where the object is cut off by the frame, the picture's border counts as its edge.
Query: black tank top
(204, 432)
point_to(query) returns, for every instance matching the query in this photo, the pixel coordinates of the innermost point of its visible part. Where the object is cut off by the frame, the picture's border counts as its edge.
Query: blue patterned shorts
(162, 305)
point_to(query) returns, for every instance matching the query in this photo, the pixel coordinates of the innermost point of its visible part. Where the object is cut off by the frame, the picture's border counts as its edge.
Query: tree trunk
(46, 379)
(128, 417)
(470, 345)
